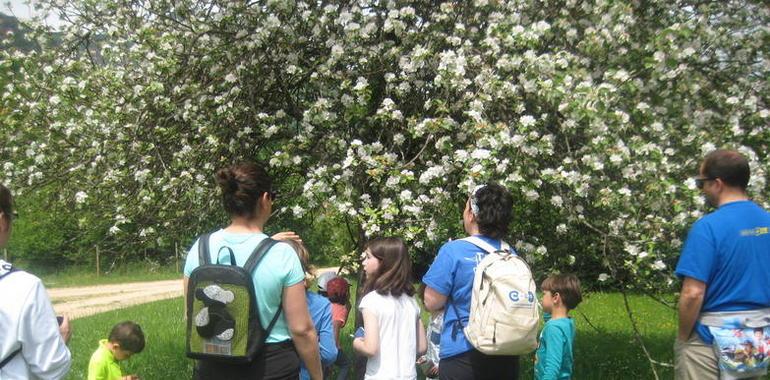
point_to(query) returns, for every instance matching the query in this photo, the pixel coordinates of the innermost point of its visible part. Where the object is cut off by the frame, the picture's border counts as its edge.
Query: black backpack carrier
(223, 321)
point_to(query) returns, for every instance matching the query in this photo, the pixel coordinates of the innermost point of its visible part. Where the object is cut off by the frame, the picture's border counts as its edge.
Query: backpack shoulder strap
(259, 252)
(203, 249)
(5, 271)
(486, 246)
(256, 256)
(9, 358)
(275, 319)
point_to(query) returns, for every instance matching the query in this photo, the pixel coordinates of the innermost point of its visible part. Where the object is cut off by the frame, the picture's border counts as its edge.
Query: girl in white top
(393, 332)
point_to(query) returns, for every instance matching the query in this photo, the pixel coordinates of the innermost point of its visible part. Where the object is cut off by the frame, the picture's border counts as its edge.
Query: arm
(369, 345)
(553, 340)
(287, 235)
(337, 325)
(422, 341)
(43, 345)
(185, 281)
(64, 329)
(326, 342)
(301, 328)
(434, 300)
(690, 303)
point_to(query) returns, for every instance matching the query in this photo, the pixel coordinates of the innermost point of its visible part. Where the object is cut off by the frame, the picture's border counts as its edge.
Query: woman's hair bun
(226, 180)
(242, 184)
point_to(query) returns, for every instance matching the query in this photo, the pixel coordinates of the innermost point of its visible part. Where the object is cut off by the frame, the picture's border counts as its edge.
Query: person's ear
(469, 210)
(720, 182)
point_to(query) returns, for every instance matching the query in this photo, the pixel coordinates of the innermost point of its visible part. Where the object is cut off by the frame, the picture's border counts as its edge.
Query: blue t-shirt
(321, 314)
(554, 354)
(279, 268)
(451, 275)
(729, 250)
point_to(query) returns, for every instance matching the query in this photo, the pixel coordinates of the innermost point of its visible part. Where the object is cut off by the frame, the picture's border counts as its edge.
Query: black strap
(13, 354)
(232, 255)
(9, 358)
(457, 326)
(275, 319)
(204, 257)
(9, 269)
(203, 250)
(256, 257)
(258, 253)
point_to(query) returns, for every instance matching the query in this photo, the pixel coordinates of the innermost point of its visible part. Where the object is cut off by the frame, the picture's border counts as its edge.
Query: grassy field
(608, 351)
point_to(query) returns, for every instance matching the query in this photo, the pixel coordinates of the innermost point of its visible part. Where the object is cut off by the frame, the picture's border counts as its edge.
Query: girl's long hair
(394, 276)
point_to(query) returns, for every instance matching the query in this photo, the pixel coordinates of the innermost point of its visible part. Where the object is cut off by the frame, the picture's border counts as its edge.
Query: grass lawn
(607, 352)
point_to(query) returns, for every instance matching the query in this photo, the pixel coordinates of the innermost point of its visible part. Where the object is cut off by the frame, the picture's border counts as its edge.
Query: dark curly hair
(495, 210)
(242, 185)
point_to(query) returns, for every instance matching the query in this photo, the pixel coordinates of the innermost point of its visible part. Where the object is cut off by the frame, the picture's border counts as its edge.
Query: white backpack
(505, 312)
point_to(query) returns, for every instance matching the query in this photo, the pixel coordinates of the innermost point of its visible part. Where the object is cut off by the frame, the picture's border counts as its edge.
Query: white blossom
(80, 197)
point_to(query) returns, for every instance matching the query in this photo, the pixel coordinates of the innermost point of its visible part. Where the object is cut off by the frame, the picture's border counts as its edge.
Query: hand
(130, 377)
(64, 329)
(433, 372)
(287, 235)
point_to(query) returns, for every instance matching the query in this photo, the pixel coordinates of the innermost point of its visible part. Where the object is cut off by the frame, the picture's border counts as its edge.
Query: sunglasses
(699, 182)
(272, 195)
(12, 215)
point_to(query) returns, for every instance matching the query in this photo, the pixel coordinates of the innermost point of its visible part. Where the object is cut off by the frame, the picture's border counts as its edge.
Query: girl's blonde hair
(394, 275)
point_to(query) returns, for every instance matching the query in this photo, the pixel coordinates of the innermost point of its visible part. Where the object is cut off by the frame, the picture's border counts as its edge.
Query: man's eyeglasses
(702, 180)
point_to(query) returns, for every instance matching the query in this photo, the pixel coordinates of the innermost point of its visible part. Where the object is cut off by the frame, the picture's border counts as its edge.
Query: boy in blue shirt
(320, 312)
(553, 360)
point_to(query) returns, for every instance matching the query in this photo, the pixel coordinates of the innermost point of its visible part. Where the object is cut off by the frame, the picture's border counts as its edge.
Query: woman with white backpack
(449, 285)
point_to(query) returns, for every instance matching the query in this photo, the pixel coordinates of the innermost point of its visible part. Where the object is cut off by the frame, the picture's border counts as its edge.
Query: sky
(22, 10)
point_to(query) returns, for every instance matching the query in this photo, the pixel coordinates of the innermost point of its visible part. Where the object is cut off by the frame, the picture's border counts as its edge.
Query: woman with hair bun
(449, 282)
(247, 196)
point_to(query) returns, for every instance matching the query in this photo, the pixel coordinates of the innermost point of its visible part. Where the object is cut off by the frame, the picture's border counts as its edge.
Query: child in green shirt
(126, 339)
(553, 360)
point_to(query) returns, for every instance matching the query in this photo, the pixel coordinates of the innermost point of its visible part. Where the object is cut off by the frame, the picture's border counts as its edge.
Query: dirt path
(89, 300)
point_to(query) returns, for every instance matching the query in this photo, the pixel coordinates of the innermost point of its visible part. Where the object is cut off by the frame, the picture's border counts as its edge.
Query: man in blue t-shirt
(724, 262)
(449, 282)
